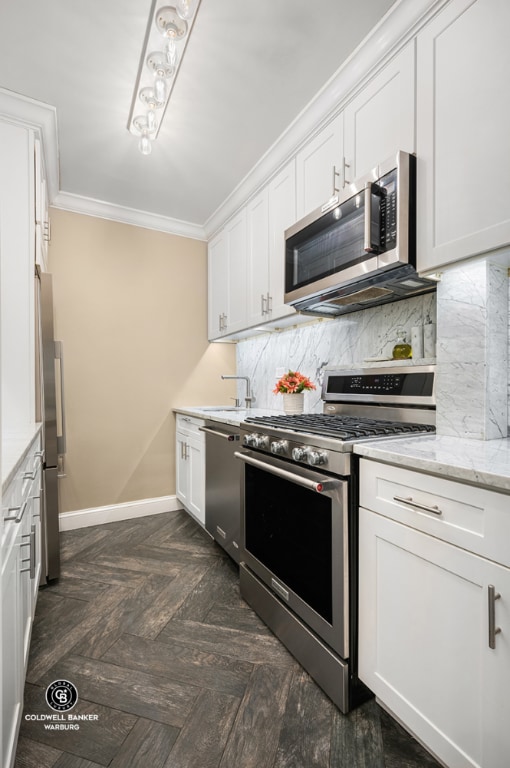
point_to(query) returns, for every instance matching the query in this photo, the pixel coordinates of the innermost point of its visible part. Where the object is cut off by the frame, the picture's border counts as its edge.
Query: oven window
(289, 530)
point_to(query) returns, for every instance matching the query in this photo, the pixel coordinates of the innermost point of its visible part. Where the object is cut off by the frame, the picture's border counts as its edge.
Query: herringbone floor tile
(148, 623)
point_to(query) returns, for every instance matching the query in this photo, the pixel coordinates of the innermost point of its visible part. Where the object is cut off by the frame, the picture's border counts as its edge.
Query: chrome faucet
(249, 396)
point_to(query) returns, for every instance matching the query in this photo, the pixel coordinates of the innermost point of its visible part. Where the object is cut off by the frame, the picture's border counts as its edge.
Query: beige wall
(131, 309)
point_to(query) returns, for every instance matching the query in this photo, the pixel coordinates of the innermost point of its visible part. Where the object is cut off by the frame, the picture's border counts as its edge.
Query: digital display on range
(404, 384)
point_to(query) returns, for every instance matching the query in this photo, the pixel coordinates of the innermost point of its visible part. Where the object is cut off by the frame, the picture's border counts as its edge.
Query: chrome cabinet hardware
(19, 517)
(263, 307)
(418, 505)
(222, 322)
(269, 303)
(345, 180)
(31, 558)
(29, 475)
(335, 175)
(493, 630)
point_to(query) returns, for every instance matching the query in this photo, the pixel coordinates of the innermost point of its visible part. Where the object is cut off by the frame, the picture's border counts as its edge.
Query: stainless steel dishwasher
(223, 485)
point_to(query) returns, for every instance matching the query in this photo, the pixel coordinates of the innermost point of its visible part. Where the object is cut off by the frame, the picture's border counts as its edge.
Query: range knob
(300, 453)
(316, 458)
(279, 446)
(261, 441)
(250, 439)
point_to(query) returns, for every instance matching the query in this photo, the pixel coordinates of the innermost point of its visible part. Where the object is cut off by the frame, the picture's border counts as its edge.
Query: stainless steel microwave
(358, 249)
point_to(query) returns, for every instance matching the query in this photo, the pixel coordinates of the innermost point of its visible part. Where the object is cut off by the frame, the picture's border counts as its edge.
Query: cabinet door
(181, 468)
(10, 646)
(463, 125)
(282, 214)
(423, 641)
(236, 244)
(257, 214)
(217, 285)
(380, 120)
(196, 467)
(316, 164)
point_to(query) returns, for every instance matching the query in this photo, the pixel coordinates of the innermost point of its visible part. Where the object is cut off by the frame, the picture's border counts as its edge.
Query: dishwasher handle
(225, 435)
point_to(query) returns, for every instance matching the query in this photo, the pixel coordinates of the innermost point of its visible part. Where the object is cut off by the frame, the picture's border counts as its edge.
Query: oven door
(294, 535)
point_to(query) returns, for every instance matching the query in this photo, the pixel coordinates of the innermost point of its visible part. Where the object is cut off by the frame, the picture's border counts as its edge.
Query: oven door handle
(320, 485)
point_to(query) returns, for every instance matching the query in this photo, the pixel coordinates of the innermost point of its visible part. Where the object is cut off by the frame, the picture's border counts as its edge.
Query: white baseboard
(83, 518)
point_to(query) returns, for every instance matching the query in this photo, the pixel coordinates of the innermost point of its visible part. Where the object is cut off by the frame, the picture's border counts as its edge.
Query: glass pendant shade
(160, 89)
(185, 8)
(144, 145)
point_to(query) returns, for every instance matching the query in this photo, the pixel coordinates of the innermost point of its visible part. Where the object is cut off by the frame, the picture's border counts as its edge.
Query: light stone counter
(228, 416)
(479, 462)
(14, 449)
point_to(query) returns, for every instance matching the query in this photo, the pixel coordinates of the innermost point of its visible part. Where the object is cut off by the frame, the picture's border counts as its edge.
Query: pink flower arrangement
(292, 383)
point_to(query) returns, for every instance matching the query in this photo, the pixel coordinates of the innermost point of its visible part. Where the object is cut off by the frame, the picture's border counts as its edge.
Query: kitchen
(115, 282)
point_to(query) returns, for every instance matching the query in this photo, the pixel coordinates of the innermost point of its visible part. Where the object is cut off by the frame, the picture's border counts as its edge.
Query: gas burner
(339, 426)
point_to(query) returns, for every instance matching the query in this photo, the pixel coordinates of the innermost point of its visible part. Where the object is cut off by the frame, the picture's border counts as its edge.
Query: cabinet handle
(269, 303)
(19, 517)
(335, 174)
(417, 505)
(493, 630)
(345, 180)
(263, 304)
(31, 558)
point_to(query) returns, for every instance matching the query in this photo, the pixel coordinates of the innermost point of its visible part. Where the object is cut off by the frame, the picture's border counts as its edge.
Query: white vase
(294, 403)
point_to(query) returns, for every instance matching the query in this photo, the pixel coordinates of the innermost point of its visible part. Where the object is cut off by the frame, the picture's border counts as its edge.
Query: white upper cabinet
(257, 215)
(282, 214)
(227, 278)
(380, 120)
(463, 114)
(42, 219)
(217, 285)
(319, 167)
(17, 238)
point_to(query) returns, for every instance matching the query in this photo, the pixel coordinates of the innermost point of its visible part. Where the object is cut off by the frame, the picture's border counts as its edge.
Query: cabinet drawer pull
(493, 630)
(19, 517)
(418, 505)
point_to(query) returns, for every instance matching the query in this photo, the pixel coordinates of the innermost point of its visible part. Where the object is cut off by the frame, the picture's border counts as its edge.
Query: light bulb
(144, 144)
(151, 120)
(185, 8)
(160, 89)
(171, 53)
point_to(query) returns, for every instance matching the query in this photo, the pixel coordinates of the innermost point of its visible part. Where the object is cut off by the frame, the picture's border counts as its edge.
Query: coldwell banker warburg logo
(61, 697)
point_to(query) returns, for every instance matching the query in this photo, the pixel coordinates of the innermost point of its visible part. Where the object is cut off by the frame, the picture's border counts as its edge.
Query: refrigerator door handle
(61, 438)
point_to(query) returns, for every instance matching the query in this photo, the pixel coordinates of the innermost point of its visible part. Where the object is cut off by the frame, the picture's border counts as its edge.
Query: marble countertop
(479, 462)
(228, 415)
(14, 447)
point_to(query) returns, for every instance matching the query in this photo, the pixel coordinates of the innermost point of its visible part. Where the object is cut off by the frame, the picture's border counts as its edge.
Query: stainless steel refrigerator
(49, 410)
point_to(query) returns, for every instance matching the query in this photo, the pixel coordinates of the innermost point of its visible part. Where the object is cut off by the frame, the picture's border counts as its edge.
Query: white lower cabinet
(434, 641)
(20, 559)
(190, 466)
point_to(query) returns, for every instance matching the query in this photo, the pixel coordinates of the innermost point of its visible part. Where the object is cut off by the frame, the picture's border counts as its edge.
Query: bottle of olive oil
(402, 350)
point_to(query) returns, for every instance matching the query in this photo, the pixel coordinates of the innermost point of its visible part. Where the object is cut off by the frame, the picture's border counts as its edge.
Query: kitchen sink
(223, 408)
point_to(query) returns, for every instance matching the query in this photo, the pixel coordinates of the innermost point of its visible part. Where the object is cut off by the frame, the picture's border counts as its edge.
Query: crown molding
(398, 27)
(42, 118)
(67, 201)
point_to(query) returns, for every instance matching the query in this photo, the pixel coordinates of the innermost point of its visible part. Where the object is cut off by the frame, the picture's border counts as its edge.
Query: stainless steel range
(299, 531)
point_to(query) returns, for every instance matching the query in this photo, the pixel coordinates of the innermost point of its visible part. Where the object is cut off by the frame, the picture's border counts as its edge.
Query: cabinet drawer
(189, 424)
(475, 519)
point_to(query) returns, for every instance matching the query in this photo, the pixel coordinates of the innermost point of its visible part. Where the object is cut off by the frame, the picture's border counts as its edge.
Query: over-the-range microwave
(359, 248)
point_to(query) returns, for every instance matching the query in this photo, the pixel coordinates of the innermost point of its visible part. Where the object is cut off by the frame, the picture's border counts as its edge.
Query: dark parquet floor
(147, 622)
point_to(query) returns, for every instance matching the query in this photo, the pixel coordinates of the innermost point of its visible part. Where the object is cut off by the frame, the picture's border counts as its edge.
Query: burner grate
(341, 427)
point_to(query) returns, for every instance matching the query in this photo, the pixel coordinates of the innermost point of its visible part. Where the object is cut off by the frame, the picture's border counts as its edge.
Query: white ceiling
(250, 67)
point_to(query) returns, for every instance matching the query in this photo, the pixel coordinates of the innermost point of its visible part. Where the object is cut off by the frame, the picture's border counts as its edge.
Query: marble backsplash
(345, 342)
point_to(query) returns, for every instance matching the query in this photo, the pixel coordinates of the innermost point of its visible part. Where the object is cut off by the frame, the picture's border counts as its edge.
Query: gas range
(358, 405)
(299, 531)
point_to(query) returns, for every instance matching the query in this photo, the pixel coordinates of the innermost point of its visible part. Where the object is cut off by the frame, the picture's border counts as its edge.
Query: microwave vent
(366, 294)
